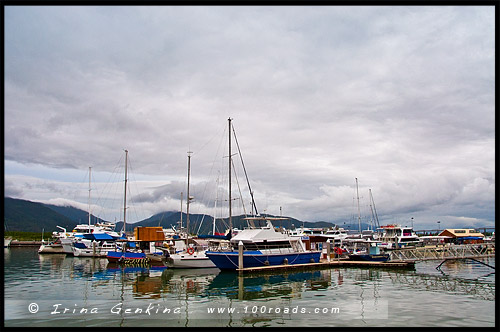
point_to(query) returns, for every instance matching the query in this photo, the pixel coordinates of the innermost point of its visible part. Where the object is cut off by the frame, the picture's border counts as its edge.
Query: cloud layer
(401, 98)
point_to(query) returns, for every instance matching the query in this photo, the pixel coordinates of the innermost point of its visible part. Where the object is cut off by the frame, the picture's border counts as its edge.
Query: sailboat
(123, 254)
(365, 248)
(84, 239)
(260, 246)
(192, 254)
(96, 242)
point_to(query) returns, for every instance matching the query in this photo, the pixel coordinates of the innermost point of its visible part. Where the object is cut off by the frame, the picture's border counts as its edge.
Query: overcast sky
(401, 98)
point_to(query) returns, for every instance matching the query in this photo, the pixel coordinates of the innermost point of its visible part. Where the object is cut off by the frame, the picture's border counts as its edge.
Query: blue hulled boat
(120, 256)
(263, 246)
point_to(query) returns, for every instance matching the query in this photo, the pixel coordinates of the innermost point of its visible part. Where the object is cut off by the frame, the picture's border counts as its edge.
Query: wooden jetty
(400, 258)
(324, 263)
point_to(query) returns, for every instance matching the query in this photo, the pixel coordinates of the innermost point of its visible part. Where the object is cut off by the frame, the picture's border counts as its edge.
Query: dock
(16, 243)
(399, 258)
(323, 263)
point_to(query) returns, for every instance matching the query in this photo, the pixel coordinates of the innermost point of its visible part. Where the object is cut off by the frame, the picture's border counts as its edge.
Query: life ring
(190, 250)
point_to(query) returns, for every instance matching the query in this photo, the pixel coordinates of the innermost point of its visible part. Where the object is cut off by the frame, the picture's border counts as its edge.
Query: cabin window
(262, 246)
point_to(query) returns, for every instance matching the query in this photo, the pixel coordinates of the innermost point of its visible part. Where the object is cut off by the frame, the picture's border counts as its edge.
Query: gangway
(443, 252)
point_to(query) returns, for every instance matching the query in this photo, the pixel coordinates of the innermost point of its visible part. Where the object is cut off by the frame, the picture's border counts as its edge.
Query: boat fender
(190, 250)
(285, 261)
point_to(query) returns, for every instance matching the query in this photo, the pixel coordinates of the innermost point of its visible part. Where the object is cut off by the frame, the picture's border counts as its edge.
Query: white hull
(186, 261)
(49, 249)
(98, 251)
(6, 242)
(67, 244)
(77, 252)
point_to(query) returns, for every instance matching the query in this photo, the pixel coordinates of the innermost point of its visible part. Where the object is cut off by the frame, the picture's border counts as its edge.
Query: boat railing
(289, 248)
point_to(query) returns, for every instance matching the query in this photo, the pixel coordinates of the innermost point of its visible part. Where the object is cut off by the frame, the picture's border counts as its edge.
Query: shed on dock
(463, 235)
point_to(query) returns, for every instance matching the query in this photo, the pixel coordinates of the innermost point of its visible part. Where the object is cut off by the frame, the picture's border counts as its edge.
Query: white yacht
(192, 255)
(68, 239)
(397, 236)
(336, 234)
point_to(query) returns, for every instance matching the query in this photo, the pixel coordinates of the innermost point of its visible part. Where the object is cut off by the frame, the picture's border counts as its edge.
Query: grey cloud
(395, 96)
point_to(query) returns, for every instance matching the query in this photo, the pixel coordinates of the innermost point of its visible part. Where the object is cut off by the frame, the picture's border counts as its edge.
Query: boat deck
(323, 263)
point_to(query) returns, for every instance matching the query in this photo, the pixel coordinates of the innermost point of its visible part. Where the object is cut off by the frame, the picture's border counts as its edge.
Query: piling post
(328, 250)
(240, 255)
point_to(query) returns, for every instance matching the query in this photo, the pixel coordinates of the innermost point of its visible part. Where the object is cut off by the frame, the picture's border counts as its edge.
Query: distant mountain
(170, 218)
(21, 215)
(75, 214)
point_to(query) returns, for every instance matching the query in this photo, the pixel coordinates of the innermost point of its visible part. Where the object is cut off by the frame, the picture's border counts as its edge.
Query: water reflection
(465, 277)
(362, 294)
(251, 287)
(188, 281)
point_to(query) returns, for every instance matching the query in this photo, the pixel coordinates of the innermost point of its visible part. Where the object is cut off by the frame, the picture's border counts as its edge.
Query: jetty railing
(443, 252)
(476, 288)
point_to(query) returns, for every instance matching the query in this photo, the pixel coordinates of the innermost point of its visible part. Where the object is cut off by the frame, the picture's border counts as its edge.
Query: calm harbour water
(59, 290)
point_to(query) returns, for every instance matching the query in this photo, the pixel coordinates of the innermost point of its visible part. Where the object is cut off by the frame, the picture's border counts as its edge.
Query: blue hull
(115, 256)
(229, 260)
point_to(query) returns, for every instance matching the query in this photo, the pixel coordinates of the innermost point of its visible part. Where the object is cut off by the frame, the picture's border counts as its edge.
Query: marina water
(59, 290)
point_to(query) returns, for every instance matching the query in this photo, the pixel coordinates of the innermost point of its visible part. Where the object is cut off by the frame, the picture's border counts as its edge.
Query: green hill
(170, 218)
(77, 215)
(27, 216)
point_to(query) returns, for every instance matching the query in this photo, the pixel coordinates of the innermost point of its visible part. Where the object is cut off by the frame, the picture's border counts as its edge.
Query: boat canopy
(98, 236)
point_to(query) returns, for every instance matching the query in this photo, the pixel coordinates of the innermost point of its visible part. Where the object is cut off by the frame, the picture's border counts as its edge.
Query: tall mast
(188, 196)
(125, 195)
(375, 209)
(180, 227)
(230, 198)
(90, 168)
(359, 213)
(215, 206)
